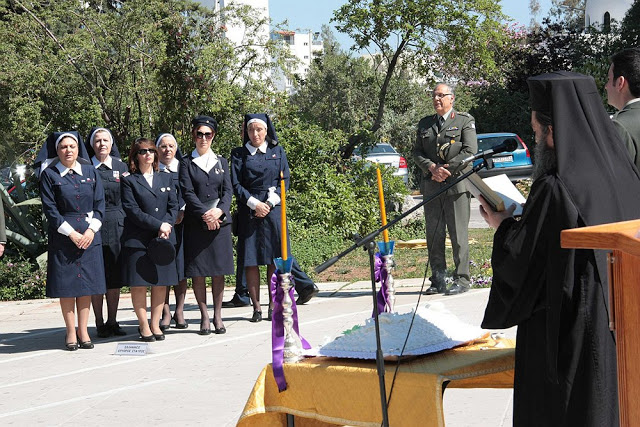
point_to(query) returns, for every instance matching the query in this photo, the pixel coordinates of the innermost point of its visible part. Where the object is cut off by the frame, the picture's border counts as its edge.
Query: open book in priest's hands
(498, 191)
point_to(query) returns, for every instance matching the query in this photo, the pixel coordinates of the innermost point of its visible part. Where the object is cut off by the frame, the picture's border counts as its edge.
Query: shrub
(21, 279)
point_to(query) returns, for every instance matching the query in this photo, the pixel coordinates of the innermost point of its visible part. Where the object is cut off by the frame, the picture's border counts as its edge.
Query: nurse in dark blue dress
(208, 250)
(73, 202)
(255, 176)
(150, 201)
(170, 157)
(106, 159)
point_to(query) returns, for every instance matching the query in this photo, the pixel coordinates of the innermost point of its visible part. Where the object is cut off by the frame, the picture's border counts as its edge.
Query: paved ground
(188, 379)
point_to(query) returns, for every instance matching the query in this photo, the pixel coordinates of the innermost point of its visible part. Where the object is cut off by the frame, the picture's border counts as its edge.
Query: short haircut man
(623, 93)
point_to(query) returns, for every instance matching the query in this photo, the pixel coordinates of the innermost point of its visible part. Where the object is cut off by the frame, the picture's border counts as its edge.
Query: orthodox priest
(565, 372)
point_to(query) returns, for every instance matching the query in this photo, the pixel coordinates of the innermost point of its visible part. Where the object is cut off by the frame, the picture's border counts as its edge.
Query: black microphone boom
(508, 144)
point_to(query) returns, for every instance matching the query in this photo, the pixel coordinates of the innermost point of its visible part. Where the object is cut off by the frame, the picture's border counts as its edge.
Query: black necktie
(440, 123)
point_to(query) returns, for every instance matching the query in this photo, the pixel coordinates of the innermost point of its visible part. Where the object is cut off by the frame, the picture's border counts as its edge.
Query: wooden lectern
(623, 238)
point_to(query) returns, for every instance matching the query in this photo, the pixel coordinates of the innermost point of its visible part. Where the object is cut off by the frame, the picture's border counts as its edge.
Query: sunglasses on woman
(207, 135)
(144, 151)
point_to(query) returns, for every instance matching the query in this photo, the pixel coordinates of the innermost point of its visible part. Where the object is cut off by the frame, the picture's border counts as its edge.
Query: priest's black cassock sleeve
(565, 353)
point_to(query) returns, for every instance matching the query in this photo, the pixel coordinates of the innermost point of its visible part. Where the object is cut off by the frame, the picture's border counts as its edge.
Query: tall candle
(383, 211)
(283, 218)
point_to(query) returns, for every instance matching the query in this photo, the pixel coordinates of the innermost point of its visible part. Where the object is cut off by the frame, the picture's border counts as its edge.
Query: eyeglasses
(144, 151)
(207, 135)
(440, 95)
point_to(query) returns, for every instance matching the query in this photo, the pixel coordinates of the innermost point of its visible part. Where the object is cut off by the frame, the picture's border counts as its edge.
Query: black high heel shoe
(184, 325)
(87, 345)
(150, 338)
(158, 337)
(219, 331)
(71, 346)
(204, 331)
(257, 317)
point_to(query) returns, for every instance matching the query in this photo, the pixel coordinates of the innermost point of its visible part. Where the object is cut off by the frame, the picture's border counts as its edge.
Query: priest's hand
(493, 218)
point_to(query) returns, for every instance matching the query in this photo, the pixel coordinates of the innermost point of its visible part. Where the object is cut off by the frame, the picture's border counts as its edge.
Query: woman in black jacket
(150, 202)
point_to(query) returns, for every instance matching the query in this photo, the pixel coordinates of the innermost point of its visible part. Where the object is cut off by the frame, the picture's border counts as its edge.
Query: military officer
(442, 141)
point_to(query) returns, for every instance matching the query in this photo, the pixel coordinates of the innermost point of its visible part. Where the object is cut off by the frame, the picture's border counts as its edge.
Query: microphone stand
(368, 242)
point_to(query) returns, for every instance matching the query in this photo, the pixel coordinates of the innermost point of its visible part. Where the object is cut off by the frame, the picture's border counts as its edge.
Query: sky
(312, 14)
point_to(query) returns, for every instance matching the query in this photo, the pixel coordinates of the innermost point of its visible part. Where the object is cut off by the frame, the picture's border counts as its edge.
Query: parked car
(516, 164)
(387, 155)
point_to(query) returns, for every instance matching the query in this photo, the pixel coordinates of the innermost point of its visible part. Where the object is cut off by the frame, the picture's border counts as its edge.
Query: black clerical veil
(49, 154)
(592, 161)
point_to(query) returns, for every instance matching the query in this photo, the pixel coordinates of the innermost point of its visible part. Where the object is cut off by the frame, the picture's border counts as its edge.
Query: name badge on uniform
(116, 174)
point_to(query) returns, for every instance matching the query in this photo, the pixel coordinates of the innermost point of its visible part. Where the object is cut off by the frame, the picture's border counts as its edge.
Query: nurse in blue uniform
(208, 251)
(150, 202)
(170, 157)
(255, 176)
(106, 159)
(73, 202)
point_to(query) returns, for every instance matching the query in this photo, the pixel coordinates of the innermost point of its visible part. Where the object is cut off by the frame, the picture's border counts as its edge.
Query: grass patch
(411, 263)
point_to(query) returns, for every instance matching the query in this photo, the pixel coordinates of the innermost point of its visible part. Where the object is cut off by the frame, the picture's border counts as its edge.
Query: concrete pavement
(190, 379)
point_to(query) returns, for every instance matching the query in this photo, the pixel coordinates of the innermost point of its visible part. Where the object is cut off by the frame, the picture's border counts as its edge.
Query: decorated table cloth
(329, 391)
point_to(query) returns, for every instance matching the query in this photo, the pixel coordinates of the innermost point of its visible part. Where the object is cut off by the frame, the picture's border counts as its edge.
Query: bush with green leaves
(21, 279)
(327, 191)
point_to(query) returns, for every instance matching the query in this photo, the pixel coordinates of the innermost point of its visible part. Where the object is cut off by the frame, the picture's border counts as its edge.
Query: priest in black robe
(565, 372)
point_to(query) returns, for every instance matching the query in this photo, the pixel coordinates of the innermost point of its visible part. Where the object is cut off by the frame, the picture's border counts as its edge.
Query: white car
(387, 155)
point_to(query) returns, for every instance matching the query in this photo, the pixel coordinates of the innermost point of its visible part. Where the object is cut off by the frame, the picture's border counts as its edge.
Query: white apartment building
(237, 33)
(304, 45)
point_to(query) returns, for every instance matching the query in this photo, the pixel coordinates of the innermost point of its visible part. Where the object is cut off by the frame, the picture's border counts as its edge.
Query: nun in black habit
(565, 372)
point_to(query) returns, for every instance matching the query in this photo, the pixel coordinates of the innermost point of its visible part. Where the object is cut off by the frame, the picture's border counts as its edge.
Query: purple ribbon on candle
(277, 328)
(382, 276)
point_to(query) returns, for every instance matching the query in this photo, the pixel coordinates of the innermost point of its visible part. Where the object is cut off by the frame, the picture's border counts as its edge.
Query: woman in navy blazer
(150, 202)
(208, 250)
(73, 202)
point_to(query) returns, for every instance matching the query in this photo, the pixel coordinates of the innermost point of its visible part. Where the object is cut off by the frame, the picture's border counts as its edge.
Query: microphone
(508, 144)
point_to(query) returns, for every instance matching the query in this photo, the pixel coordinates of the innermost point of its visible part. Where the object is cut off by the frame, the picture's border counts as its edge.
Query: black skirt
(139, 270)
(207, 253)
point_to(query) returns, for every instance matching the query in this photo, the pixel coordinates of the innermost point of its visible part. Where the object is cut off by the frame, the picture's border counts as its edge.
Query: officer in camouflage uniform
(443, 141)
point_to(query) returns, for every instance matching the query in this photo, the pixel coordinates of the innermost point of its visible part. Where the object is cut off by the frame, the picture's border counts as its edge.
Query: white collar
(253, 150)
(206, 162)
(631, 102)
(172, 166)
(77, 168)
(108, 162)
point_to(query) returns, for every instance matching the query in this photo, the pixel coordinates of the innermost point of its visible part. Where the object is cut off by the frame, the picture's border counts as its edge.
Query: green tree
(423, 36)
(137, 67)
(630, 31)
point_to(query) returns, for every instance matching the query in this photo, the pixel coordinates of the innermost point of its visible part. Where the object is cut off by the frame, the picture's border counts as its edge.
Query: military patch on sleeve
(473, 125)
(126, 174)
